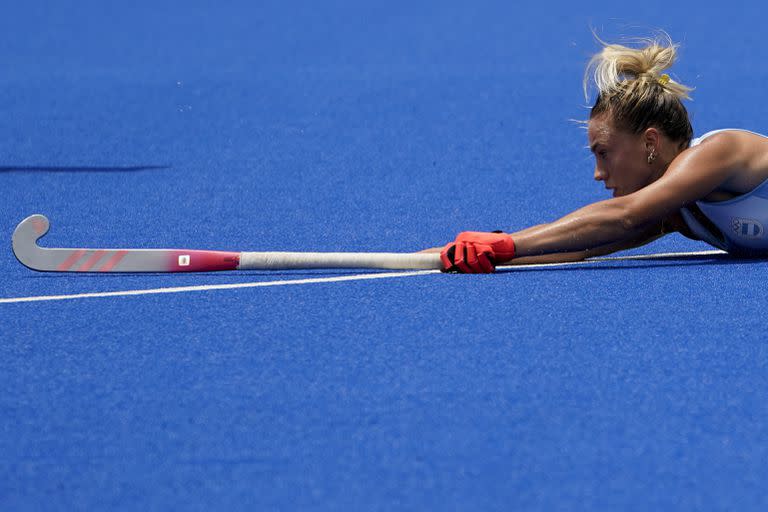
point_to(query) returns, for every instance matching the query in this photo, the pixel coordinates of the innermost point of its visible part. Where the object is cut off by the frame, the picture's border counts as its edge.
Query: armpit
(675, 224)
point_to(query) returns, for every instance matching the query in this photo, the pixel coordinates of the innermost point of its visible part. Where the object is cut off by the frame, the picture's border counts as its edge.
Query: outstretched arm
(652, 233)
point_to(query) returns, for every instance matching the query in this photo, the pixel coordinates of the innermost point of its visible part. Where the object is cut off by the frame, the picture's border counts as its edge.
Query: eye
(602, 153)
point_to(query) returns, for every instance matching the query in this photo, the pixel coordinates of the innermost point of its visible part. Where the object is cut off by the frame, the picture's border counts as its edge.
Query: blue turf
(384, 126)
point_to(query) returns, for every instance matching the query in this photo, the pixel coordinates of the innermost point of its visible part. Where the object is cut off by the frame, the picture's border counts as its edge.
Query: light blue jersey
(737, 225)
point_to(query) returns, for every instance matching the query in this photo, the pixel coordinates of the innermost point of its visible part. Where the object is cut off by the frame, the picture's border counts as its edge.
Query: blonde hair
(633, 88)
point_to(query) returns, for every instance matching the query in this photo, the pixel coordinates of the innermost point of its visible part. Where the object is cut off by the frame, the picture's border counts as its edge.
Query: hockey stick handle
(306, 260)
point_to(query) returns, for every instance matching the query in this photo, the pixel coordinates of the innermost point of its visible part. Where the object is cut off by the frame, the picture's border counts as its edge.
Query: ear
(652, 138)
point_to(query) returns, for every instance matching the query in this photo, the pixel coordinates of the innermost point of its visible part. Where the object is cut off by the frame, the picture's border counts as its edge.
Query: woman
(713, 188)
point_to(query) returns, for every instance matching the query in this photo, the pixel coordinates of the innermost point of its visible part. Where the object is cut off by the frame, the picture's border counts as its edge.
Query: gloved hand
(475, 252)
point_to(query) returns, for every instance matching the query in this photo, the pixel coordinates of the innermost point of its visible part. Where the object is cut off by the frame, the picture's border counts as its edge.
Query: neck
(663, 163)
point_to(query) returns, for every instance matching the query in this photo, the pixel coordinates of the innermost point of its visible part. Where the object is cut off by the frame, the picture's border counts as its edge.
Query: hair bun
(616, 65)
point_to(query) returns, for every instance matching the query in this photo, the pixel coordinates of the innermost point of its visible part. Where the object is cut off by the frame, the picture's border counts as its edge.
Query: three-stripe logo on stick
(92, 261)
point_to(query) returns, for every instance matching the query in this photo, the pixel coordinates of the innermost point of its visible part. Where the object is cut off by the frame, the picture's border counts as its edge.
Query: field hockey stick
(31, 229)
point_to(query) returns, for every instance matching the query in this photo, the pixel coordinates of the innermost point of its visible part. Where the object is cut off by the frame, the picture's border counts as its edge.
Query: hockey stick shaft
(296, 260)
(180, 260)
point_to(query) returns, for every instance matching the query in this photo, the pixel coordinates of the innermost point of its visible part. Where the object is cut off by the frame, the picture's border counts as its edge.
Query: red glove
(475, 252)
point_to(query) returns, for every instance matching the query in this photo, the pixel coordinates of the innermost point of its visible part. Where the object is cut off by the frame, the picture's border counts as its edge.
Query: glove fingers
(447, 256)
(484, 259)
(460, 258)
(471, 260)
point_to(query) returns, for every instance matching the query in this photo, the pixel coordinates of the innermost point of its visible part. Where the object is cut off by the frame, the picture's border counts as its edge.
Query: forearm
(595, 230)
(593, 226)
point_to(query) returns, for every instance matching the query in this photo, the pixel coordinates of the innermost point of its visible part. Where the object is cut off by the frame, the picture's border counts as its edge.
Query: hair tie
(664, 79)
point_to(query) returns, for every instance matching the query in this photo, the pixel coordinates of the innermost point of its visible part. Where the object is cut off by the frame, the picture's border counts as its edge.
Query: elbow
(628, 222)
(630, 217)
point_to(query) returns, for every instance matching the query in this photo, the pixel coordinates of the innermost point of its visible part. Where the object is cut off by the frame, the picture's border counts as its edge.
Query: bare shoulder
(744, 153)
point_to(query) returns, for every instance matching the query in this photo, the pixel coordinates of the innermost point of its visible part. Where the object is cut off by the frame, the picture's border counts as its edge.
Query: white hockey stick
(179, 260)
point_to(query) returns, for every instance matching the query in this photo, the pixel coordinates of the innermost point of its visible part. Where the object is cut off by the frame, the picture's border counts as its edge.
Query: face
(621, 158)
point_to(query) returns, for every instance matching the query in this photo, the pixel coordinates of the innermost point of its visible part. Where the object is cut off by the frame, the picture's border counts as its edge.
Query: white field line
(355, 277)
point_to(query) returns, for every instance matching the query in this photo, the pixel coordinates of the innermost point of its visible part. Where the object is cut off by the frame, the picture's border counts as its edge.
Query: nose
(600, 175)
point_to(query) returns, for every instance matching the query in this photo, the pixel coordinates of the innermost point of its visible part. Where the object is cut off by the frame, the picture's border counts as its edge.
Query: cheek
(613, 165)
(632, 168)
(636, 177)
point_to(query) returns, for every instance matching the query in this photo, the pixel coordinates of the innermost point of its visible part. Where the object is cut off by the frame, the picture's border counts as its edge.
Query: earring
(651, 156)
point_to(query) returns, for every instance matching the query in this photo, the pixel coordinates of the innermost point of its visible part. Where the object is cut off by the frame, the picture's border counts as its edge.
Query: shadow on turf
(645, 263)
(83, 169)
